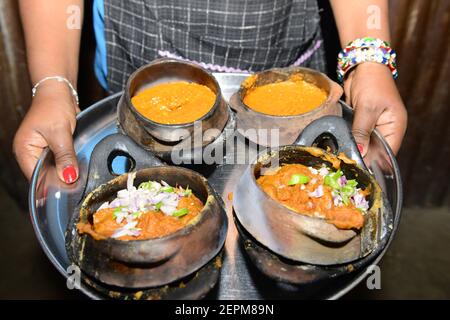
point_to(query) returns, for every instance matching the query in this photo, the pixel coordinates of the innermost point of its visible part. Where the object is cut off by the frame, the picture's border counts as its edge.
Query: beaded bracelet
(366, 50)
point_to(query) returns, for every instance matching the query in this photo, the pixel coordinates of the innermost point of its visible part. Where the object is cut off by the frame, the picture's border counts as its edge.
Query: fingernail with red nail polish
(360, 148)
(69, 174)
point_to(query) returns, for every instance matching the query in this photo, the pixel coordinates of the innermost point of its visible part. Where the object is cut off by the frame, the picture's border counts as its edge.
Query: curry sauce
(153, 224)
(151, 210)
(175, 102)
(303, 190)
(285, 98)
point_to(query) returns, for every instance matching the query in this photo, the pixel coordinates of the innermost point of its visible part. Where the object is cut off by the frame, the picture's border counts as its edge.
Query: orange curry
(300, 197)
(174, 102)
(153, 224)
(286, 98)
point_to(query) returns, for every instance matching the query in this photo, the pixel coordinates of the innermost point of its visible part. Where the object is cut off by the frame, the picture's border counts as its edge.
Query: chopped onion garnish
(317, 193)
(128, 230)
(324, 171)
(130, 181)
(165, 183)
(120, 214)
(121, 232)
(344, 191)
(168, 210)
(360, 201)
(342, 181)
(337, 200)
(132, 202)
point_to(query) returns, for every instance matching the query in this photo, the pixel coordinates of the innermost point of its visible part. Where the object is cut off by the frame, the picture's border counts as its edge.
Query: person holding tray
(222, 36)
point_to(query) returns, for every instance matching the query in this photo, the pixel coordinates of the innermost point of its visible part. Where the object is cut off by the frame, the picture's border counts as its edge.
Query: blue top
(100, 65)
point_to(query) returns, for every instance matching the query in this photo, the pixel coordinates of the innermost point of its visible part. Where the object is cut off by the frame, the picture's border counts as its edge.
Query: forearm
(361, 18)
(52, 47)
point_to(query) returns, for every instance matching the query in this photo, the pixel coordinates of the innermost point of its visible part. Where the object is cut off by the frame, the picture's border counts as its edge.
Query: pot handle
(100, 165)
(333, 132)
(235, 103)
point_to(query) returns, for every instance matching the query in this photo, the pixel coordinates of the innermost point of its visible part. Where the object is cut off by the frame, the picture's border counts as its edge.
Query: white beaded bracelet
(59, 79)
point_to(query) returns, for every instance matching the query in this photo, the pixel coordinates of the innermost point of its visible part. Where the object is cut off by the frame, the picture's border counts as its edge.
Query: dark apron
(221, 35)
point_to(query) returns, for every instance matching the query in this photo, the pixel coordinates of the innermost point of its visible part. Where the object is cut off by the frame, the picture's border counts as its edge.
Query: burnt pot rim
(287, 147)
(187, 229)
(145, 120)
(287, 70)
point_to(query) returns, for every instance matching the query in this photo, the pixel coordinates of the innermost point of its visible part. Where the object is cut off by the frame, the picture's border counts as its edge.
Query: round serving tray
(51, 202)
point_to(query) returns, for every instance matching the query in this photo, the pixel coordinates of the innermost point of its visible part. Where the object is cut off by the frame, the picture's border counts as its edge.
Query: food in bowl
(323, 192)
(290, 97)
(150, 211)
(175, 102)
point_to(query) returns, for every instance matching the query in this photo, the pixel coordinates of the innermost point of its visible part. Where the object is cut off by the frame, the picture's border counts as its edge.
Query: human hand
(372, 93)
(50, 122)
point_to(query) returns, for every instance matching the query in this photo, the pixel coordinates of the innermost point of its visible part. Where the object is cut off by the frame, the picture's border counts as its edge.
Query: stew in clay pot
(175, 102)
(150, 211)
(323, 193)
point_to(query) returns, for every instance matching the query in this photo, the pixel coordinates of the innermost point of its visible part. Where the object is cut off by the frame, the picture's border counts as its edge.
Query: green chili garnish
(117, 211)
(167, 189)
(145, 185)
(353, 183)
(181, 212)
(345, 199)
(331, 179)
(187, 192)
(346, 191)
(149, 185)
(298, 179)
(136, 215)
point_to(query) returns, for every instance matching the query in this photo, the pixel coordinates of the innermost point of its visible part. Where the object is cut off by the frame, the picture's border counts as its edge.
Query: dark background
(417, 264)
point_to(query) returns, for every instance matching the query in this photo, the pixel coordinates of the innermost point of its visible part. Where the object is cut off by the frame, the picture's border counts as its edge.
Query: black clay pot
(289, 126)
(151, 263)
(162, 139)
(304, 239)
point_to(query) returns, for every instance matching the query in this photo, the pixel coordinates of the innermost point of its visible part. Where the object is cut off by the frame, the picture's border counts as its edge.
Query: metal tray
(51, 202)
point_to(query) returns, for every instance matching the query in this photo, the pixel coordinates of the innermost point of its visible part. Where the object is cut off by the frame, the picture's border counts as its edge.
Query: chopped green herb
(298, 179)
(167, 189)
(149, 185)
(352, 183)
(145, 185)
(332, 178)
(116, 211)
(136, 214)
(158, 206)
(345, 199)
(187, 192)
(348, 190)
(181, 212)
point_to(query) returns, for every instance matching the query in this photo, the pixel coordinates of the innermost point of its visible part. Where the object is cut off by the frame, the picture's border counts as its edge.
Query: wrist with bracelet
(61, 79)
(366, 49)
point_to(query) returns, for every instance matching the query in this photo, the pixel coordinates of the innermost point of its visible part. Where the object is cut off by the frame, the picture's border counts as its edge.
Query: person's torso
(222, 35)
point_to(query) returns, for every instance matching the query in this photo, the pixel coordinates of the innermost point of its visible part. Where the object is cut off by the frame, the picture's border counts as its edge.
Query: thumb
(364, 122)
(61, 145)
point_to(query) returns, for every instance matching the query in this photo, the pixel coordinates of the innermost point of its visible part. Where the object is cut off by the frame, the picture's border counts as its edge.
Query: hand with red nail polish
(372, 93)
(50, 122)
(69, 174)
(360, 148)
